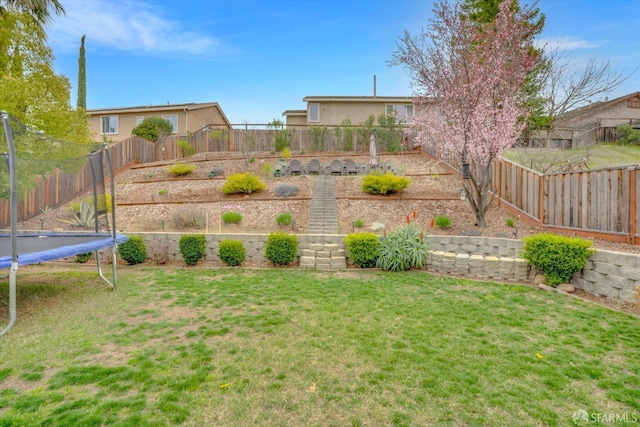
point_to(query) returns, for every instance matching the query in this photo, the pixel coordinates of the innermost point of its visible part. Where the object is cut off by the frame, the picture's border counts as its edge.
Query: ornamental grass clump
(284, 218)
(559, 257)
(402, 249)
(231, 217)
(231, 252)
(243, 183)
(281, 248)
(192, 247)
(362, 248)
(384, 184)
(443, 221)
(180, 169)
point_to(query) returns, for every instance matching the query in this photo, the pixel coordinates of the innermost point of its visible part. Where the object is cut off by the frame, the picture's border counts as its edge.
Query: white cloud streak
(127, 26)
(565, 43)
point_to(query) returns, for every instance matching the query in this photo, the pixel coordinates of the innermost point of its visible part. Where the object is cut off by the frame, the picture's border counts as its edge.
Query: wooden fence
(603, 203)
(59, 187)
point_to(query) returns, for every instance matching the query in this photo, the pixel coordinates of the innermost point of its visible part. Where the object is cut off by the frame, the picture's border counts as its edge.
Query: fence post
(541, 200)
(633, 204)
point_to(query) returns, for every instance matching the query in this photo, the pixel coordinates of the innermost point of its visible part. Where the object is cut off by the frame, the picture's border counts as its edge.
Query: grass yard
(233, 347)
(598, 155)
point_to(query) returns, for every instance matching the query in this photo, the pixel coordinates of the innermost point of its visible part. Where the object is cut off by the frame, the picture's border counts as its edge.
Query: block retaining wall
(614, 275)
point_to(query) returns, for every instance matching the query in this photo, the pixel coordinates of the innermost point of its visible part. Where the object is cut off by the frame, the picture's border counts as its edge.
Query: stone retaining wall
(611, 274)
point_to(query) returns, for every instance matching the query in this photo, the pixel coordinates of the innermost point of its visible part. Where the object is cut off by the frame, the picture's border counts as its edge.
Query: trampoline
(29, 247)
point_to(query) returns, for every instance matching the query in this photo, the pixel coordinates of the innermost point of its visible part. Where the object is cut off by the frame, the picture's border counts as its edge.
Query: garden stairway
(324, 253)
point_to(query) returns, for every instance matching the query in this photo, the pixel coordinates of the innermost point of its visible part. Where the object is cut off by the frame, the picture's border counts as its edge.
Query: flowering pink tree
(468, 79)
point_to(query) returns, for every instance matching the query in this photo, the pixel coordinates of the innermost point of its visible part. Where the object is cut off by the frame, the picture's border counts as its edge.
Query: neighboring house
(117, 123)
(623, 110)
(334, 110)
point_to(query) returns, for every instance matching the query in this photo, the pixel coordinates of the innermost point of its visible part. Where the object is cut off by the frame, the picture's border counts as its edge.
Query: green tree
(29, 88)
(82, 78)
(38, 10)
(152, 128)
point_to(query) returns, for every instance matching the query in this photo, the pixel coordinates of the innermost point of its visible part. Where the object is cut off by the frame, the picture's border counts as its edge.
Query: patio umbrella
(372, 151)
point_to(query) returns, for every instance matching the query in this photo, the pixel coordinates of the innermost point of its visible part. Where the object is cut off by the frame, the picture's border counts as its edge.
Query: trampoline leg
(12, 297)
(100, 271)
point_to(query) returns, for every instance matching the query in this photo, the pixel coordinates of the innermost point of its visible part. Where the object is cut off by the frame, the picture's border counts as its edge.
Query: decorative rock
(538, 279)
(545, 287)
(377, 227)
(566, 287)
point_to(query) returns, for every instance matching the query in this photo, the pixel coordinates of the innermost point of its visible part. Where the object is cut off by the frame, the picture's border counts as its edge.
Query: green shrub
(443, 221)
(362, 248)
(628, 135)
(180, 169)
(387, 183)
(559, 257)
(358, 223)
(231, 252)
(510, 222)
(402, 249)
(186, 149)
(133, 251)
(284, 218)
(104, 203)
(192, 247)
(152, 128)
(281, 248)
(82, 258)
(243, 183)
(232, 217)
(163, 192)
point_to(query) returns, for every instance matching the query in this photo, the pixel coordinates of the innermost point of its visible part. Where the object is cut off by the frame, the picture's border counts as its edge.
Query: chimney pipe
(374, 85)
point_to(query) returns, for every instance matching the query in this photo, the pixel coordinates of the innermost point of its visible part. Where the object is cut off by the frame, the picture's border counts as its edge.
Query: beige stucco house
(608, 113)
(333, 110)
(116, 124)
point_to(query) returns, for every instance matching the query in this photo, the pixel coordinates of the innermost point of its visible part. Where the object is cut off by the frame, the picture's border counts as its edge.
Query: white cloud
(128, 26)
(565, 43)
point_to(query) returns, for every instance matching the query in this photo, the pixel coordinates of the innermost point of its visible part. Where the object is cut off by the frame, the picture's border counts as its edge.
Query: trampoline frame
(84, 241)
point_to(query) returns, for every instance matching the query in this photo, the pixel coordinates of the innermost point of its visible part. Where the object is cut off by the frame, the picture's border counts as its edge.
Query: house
(334, 110)
(117, 123)
(607, 113)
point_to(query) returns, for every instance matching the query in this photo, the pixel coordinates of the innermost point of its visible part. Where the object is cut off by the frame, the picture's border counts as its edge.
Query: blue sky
(260, 58)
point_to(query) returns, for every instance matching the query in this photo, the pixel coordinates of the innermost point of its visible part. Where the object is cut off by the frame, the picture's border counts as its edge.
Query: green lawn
(195, 347)
(598, 156)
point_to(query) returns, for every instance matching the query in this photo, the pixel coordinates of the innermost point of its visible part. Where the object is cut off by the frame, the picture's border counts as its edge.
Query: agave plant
(85, 216)
(402, 249)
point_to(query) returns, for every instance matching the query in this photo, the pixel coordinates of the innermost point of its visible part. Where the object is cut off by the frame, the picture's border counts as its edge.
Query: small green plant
(163, 192)
(384, 184)
(559, 257)
(243, 183)
(436, 176)
(231, 252)
(186, 149)
(510, 222)
(443, 221)
(266, 169)
(181, 169)
(133, 251)
(252, 160)
(281, 248)
(358, 223)
(286, 153)
(104, 203)
(82, 258)
(84, 216)
(402, 249)
(284, 218)
(192, 247)
(362, 248)
(231, 217)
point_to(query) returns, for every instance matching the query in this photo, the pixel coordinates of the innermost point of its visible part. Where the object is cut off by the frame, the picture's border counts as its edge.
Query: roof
(385, 99)
(594, 108)
(294, 113)
(159, 108)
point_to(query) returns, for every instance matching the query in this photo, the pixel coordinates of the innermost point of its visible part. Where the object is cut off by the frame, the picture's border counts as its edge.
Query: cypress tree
(82, 78)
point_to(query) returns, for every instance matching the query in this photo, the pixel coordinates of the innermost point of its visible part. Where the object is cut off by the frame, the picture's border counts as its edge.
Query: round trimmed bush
(231, 252)
(243, 183)
(281, 248)
(192, 247)
(362, 248)
(133, 251)
(232, 217)
(82, 258)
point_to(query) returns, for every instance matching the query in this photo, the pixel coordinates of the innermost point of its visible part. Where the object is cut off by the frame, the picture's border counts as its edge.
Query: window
(109, 125)
(174, 121)
(402, 112)
(314, 112)
(633, 103)
(139, 119)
